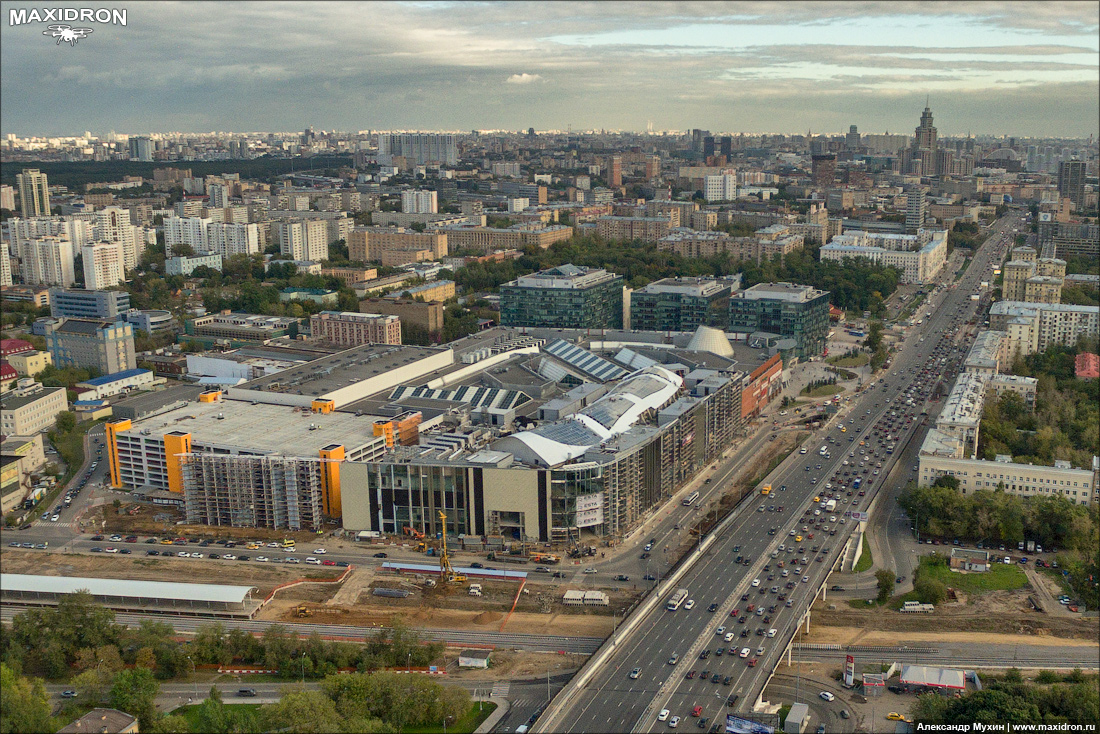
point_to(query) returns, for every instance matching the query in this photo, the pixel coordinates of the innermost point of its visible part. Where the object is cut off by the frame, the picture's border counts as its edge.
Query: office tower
(682, 304)
(48, 261)
(565, 297)
(799, 312)
(719, 188)
(102, 265)
(88, 304)
(726, 147)
(419, 202)
(851, 140)
(708, 146)
(106, 345)
(615, 174)
(1071, 182)
(924, 144)
(916, 209)
(823, 169)
(141, 149)
(34, 193)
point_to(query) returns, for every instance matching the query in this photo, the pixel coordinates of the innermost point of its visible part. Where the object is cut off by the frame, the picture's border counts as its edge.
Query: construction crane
(446, 573)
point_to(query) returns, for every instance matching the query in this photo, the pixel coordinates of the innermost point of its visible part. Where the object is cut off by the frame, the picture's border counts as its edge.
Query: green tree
(24, 704)
(306, 712)
(135, 692)
(929, 590)
(66, 421)
(885, 578)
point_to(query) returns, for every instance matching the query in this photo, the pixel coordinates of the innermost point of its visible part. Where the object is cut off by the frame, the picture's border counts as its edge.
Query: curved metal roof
(213, 593)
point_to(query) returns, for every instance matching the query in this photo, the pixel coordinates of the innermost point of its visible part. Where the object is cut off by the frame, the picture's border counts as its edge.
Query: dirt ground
(861, 636)
(201, 571)
(143, 522)
(508, 665)
(1005, 613)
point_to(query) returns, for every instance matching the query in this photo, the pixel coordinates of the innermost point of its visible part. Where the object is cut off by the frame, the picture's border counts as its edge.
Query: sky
(1027, 69)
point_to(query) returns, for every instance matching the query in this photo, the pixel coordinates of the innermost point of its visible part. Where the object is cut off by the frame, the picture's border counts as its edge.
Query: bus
(690, 499)
(677, 599)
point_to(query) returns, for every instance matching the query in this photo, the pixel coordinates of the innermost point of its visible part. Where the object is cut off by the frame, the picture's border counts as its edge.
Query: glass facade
(599, 306)
(805, 321)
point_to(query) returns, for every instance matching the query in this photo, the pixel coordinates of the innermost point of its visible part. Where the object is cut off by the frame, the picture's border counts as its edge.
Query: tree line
(1011, 700)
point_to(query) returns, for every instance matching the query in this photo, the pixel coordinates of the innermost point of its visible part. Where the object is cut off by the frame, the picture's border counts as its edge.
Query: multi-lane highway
(657, 662)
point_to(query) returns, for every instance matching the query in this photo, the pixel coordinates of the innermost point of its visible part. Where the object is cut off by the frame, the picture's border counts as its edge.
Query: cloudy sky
(1017, 68)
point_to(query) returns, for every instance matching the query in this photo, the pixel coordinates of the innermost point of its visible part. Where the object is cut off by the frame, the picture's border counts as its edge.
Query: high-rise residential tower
(34, 193)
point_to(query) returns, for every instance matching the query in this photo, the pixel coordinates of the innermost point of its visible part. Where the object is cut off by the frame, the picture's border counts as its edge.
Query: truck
(975, 297)
(549, 558)
(830, 505)
(858, 481)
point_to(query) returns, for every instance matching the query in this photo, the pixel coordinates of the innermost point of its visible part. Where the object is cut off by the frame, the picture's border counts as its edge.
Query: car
(826, 696)
(716, 678)
(673, 660)
(320, 551)
(697, 711)
(752, 662)
(310, 560)
(704, 654)
(635, 673)
(895, 716)
(213, 556)
(181, 554)
(328, 563)
(663, 716)
(620, 577)
(844, 714)
(246, 692)
(805, 579)
(385, 555)
(246, 558)
(262, 559)
(587, 570)
(674, 722)
(744, 652)
(755, 583)
(690, 602)
(231, 557)
(712, 608)
(647, 577)
(97, 537)
(69, 694)
(148, 552)
(644, 556)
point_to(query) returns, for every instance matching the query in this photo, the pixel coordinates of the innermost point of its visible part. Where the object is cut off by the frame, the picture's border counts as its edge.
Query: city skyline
(988, 68)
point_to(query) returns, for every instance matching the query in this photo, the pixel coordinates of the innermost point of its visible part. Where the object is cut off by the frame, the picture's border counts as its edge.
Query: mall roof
(216, 593)
(114, 377)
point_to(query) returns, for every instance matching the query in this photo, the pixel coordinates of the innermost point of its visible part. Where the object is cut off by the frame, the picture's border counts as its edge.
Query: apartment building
(1033, 327)
(566, 297)
(75, 229)
(420, 202)
(349, 276)
(239, 327)
(427, 315)
(435, 290)
(34, 193)
(487, 239)
(302, 240)
(48, 261)
(29, 408)
(642, 229)
(103, 265)
(181, 265)
(920, 257)
(376, 244)
(5, 265)
(352, 329)
(105, 345)
(1002, 474)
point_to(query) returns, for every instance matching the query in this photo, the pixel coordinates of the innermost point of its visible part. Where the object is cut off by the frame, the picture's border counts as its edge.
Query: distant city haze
(1021, 69)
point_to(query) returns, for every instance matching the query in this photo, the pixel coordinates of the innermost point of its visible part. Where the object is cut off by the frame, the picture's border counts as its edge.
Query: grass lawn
(999, 577)
(865, 560)
(857, 361)
(822, 390)
(191, 712)
(479, 712)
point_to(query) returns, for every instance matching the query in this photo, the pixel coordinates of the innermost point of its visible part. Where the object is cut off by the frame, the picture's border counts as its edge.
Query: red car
(691, 674)
(735, 612)
(752, 662)
(328, 563)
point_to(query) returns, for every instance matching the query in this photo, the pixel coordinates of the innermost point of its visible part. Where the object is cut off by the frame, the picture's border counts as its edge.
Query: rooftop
(565, 277)
(11, 401)
(260, 428)
(114, 377)
(87, 327)
(327, 374)
(963, 405)
(699, 287)
(125, 587)
(791, 292)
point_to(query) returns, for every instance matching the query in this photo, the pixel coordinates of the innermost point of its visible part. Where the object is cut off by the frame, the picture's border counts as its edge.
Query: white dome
(709, 339)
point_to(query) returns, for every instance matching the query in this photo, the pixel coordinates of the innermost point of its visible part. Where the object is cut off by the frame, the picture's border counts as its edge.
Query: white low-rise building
(919, 257)
(118, 383)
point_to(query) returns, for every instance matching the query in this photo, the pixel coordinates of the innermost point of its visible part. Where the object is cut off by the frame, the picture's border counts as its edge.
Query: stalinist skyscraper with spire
(924, 146)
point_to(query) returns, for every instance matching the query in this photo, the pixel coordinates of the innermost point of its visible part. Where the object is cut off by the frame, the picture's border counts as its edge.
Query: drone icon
(66, 33)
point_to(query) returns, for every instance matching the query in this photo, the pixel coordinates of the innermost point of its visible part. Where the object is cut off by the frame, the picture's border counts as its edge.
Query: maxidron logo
(59, 19)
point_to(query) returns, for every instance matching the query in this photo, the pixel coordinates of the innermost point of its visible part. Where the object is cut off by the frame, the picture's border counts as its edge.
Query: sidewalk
(503, 707)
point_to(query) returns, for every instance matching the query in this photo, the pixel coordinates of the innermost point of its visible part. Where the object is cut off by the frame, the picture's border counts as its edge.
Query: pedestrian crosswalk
(500, 689)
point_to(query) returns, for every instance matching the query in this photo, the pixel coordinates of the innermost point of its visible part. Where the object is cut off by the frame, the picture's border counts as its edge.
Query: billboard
(849, 671)
(737, 725)
(590, 510)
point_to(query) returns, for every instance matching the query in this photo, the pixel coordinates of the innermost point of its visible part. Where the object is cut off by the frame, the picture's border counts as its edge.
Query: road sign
(849, 670)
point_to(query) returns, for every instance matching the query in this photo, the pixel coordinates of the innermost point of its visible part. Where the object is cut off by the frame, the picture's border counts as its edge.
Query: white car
(262, 559)
(720, 631)
(744, 652)
(290, 559)
(313, 561)
(729, 637)
(273, 544)
(826, 696)
(674, 722)
(229, 557)
(109, 550)
(183, 554)
(55, 517)
(755, 583)
(663, 716)
(320, 551)
(805, 579)
(690, 604)
(197, 555)
(590, 570)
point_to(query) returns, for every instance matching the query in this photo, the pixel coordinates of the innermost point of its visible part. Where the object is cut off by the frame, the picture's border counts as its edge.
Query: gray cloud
(350, 66)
